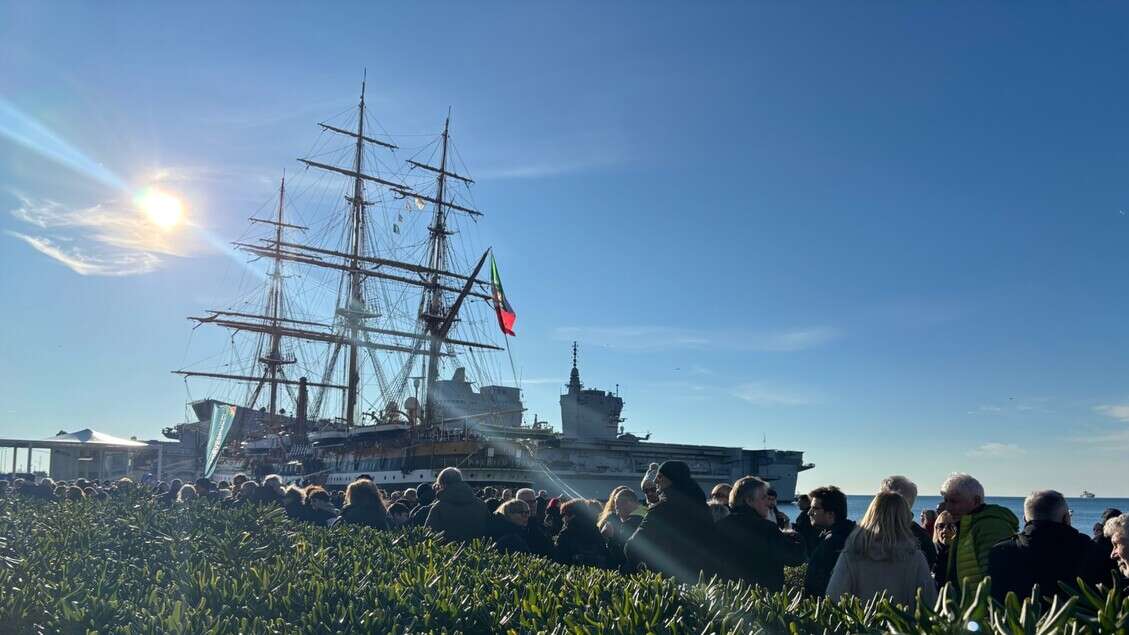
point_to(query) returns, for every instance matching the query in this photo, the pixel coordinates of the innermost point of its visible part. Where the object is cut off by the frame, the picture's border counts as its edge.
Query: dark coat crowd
(735, 532)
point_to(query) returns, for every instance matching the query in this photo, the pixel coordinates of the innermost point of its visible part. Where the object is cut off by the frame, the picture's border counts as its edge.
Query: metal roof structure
(83, 438)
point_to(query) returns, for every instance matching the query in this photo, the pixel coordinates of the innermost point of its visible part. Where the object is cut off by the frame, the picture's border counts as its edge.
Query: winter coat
(900, 575)
(941, 567)
(458, 513)
(807, 531)
(320, 517)
(1045, 553)
(979, 531)
(419, 515)
(925, 541)
(509, 538)
(581, 543)
(623, 531)
(676, 537)
(364, 516)
(755, 549)
(537, 538)
(824, 555)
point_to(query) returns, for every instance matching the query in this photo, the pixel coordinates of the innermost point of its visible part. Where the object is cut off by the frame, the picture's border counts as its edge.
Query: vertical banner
(222, 417)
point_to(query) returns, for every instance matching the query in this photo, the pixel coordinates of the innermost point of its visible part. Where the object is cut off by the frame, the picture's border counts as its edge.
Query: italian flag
(506, 315)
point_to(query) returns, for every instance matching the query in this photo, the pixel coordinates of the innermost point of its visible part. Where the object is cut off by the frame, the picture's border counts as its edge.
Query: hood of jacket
(458, 495)
(989, 513)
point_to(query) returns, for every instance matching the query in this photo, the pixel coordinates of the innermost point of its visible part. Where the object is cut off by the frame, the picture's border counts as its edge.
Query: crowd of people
(735, 532)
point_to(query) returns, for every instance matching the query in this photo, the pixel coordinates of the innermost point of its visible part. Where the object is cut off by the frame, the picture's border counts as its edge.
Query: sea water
(1084, 511)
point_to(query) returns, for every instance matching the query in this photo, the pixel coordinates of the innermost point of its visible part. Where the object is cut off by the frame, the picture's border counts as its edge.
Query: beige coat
(899, 577)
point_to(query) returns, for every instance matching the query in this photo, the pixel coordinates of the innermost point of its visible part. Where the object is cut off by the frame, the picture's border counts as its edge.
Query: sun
(162, 208)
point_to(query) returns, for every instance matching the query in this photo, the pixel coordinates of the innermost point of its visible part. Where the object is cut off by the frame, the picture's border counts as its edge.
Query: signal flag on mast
(506, 315)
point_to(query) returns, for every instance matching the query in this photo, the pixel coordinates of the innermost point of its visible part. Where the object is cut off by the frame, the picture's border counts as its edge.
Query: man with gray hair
(1048, 551)
(907, 489)
(980, 527)
(1117, 530)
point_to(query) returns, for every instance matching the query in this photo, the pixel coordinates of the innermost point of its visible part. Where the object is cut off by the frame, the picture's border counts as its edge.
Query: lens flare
(162, 208)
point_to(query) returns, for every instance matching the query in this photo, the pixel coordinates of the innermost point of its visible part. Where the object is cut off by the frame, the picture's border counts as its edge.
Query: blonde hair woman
(607, 519)
(882, 555)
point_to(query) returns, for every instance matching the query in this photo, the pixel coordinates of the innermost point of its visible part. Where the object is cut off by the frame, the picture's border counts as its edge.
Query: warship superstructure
(403, 383)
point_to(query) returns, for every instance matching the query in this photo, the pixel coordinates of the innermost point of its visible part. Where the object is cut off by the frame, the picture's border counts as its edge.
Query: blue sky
(892, 237)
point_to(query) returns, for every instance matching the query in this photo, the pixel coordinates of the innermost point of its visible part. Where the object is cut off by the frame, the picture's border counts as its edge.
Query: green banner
(222, 417)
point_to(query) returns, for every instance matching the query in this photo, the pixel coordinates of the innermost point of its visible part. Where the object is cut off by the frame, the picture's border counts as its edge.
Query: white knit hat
(650, 476)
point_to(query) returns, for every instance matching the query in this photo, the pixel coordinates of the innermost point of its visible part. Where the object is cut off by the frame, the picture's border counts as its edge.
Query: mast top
(574, 384)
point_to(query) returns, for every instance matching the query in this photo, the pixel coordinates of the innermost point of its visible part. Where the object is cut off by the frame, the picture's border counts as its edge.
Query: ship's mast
(435, 314)
(356, 306)
(274, 359)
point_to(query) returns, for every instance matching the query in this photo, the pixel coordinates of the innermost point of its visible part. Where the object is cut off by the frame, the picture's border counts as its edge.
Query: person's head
(718, 509)
(803, 502)
(362, 493)
(885, 530)
(542, 494)
(1046, 505)
(945, 529)
(720, 492)
(186, 493)
(237, 481)
(448, 477)
(577, 511)
(507, 494)
(203, 485)
(398, 513)
(674, 476)
(248, 491)
(750, 492)
(1117, 530)
(318, 498)
(74, 493)
(293, 496)
(962, 494)
(175, 485)
(771, 495)
(900, 485)
(273, 482)
(410, 498)
(927, 519)
(516, 511)
(425, 492)
(529, 496)
(626, 501)
(828, 506)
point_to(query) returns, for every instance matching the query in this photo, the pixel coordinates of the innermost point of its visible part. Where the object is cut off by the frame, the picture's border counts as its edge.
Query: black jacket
(757, 550)
(509, 537)
(1044, 553)
(537, 538)
(926, 543)
(581, 543)
(623, 531)
(458, 513)
(824, 555)
(365, 516)
(676, 537)
(807, 531)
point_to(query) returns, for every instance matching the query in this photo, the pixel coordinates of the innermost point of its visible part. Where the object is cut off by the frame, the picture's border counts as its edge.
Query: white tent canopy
(93, 437)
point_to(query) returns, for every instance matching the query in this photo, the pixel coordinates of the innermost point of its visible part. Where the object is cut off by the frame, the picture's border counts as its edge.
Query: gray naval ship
(593, 455)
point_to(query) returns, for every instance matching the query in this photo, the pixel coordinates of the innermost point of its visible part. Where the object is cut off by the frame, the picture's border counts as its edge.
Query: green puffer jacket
(978, 533)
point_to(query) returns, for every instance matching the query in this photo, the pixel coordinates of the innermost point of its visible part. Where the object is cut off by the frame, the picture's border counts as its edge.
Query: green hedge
(127, 566)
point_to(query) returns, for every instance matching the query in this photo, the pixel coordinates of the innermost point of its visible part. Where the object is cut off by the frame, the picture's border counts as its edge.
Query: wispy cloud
(766, 394)
(107, 239)
(1013, 406)
(663, 338)
(536, 381)
(997, 450)
(1115, 411)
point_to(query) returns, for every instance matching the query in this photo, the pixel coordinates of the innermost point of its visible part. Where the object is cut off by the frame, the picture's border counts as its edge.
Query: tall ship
(372, 345)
